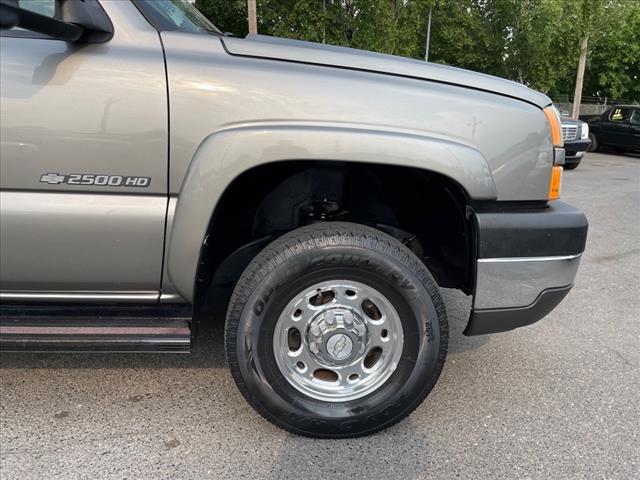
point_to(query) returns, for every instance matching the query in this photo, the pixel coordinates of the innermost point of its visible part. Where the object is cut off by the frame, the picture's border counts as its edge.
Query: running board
(95, 328)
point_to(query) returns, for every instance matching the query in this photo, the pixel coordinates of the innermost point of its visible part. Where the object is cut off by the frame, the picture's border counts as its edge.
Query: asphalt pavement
(558, 399)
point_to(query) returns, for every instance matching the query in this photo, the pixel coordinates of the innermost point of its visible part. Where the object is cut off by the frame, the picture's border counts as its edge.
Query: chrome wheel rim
(338, 340)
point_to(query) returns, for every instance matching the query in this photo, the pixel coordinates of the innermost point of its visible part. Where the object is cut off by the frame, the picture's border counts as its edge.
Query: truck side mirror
(81, 21)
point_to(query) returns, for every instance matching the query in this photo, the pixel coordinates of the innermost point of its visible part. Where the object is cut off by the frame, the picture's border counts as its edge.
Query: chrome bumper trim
(528, 259)
(519, 281)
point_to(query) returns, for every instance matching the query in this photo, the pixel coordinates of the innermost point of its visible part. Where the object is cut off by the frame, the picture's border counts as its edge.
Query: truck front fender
(226, 154)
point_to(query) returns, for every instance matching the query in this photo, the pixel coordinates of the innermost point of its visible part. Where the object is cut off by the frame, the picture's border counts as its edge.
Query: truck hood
(262, 46)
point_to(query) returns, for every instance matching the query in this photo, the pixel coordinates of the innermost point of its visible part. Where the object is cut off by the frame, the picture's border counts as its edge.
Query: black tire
(572, 166)
(327, 251)
(593, 147)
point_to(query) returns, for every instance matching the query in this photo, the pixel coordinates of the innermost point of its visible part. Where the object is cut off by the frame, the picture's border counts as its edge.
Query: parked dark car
(617, 128)
(575, 134)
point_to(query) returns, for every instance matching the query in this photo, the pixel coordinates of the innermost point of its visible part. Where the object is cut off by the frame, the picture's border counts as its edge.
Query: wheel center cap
(339, 346)
(336, 336)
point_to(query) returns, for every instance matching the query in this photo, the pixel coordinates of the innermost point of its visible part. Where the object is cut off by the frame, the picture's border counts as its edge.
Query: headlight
(553, 117)
(585, 131)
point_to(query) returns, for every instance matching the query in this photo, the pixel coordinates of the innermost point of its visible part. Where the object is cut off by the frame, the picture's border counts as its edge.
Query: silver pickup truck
(152, 166)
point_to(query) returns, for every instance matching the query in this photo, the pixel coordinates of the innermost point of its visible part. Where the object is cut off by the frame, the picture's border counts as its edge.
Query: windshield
(177, 15)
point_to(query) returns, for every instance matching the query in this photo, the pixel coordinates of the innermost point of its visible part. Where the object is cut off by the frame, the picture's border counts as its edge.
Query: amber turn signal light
(555, 124)
(556, 183)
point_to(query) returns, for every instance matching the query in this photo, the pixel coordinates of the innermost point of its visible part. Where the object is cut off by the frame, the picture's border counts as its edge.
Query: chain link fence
(589, 105)
(585, 108)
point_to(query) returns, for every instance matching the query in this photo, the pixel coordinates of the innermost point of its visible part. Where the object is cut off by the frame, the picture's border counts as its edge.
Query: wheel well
(423, 209)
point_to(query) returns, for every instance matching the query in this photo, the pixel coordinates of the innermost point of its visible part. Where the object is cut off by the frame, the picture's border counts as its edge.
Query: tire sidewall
(417, 371)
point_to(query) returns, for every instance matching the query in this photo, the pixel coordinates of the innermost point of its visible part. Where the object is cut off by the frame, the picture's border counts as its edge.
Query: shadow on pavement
(406, 450)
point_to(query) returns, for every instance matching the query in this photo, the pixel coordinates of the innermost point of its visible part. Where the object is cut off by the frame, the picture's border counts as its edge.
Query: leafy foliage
(535, 42)
(613, 67)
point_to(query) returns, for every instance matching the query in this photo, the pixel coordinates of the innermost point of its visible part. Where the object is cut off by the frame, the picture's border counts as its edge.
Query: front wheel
(593, 146)
(336, 330)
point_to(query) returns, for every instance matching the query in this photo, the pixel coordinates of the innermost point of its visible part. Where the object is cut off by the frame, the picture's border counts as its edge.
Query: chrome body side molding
(81, 297)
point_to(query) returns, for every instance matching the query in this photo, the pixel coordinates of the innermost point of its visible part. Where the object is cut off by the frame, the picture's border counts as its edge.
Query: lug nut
(348, 319)
(315, 331)
(330, 318)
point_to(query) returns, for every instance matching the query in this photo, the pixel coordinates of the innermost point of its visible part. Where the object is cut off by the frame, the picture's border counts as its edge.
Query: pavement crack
(615, 256)
(622, 357)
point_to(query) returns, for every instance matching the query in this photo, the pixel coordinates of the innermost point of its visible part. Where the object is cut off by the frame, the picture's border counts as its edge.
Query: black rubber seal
(504, 319)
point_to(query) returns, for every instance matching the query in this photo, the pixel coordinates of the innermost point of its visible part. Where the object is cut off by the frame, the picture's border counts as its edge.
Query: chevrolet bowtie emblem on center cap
(339, 346)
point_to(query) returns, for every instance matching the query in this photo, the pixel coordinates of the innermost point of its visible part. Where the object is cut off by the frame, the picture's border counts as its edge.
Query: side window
(619, 114)
(43, 7)
(635, 117)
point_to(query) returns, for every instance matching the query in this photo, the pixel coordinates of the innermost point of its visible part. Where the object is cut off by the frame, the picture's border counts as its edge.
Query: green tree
(613, 66)
(537, 51)
(227, 15)
(389, 26)
(597, 24)
(535, 42)
(465, 34)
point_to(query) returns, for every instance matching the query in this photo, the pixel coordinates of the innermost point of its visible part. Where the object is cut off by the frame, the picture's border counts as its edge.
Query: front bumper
(527, 263)
(574, 150)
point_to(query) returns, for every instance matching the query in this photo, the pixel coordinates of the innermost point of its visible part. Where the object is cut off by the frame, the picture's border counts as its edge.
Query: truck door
(83, 170)
(634, 130)
(615, 127)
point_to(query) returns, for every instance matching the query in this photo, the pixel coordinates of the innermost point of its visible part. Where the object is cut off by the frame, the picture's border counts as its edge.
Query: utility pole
(577, 96)
(426, 51)
(253, 22)
(324, 21)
